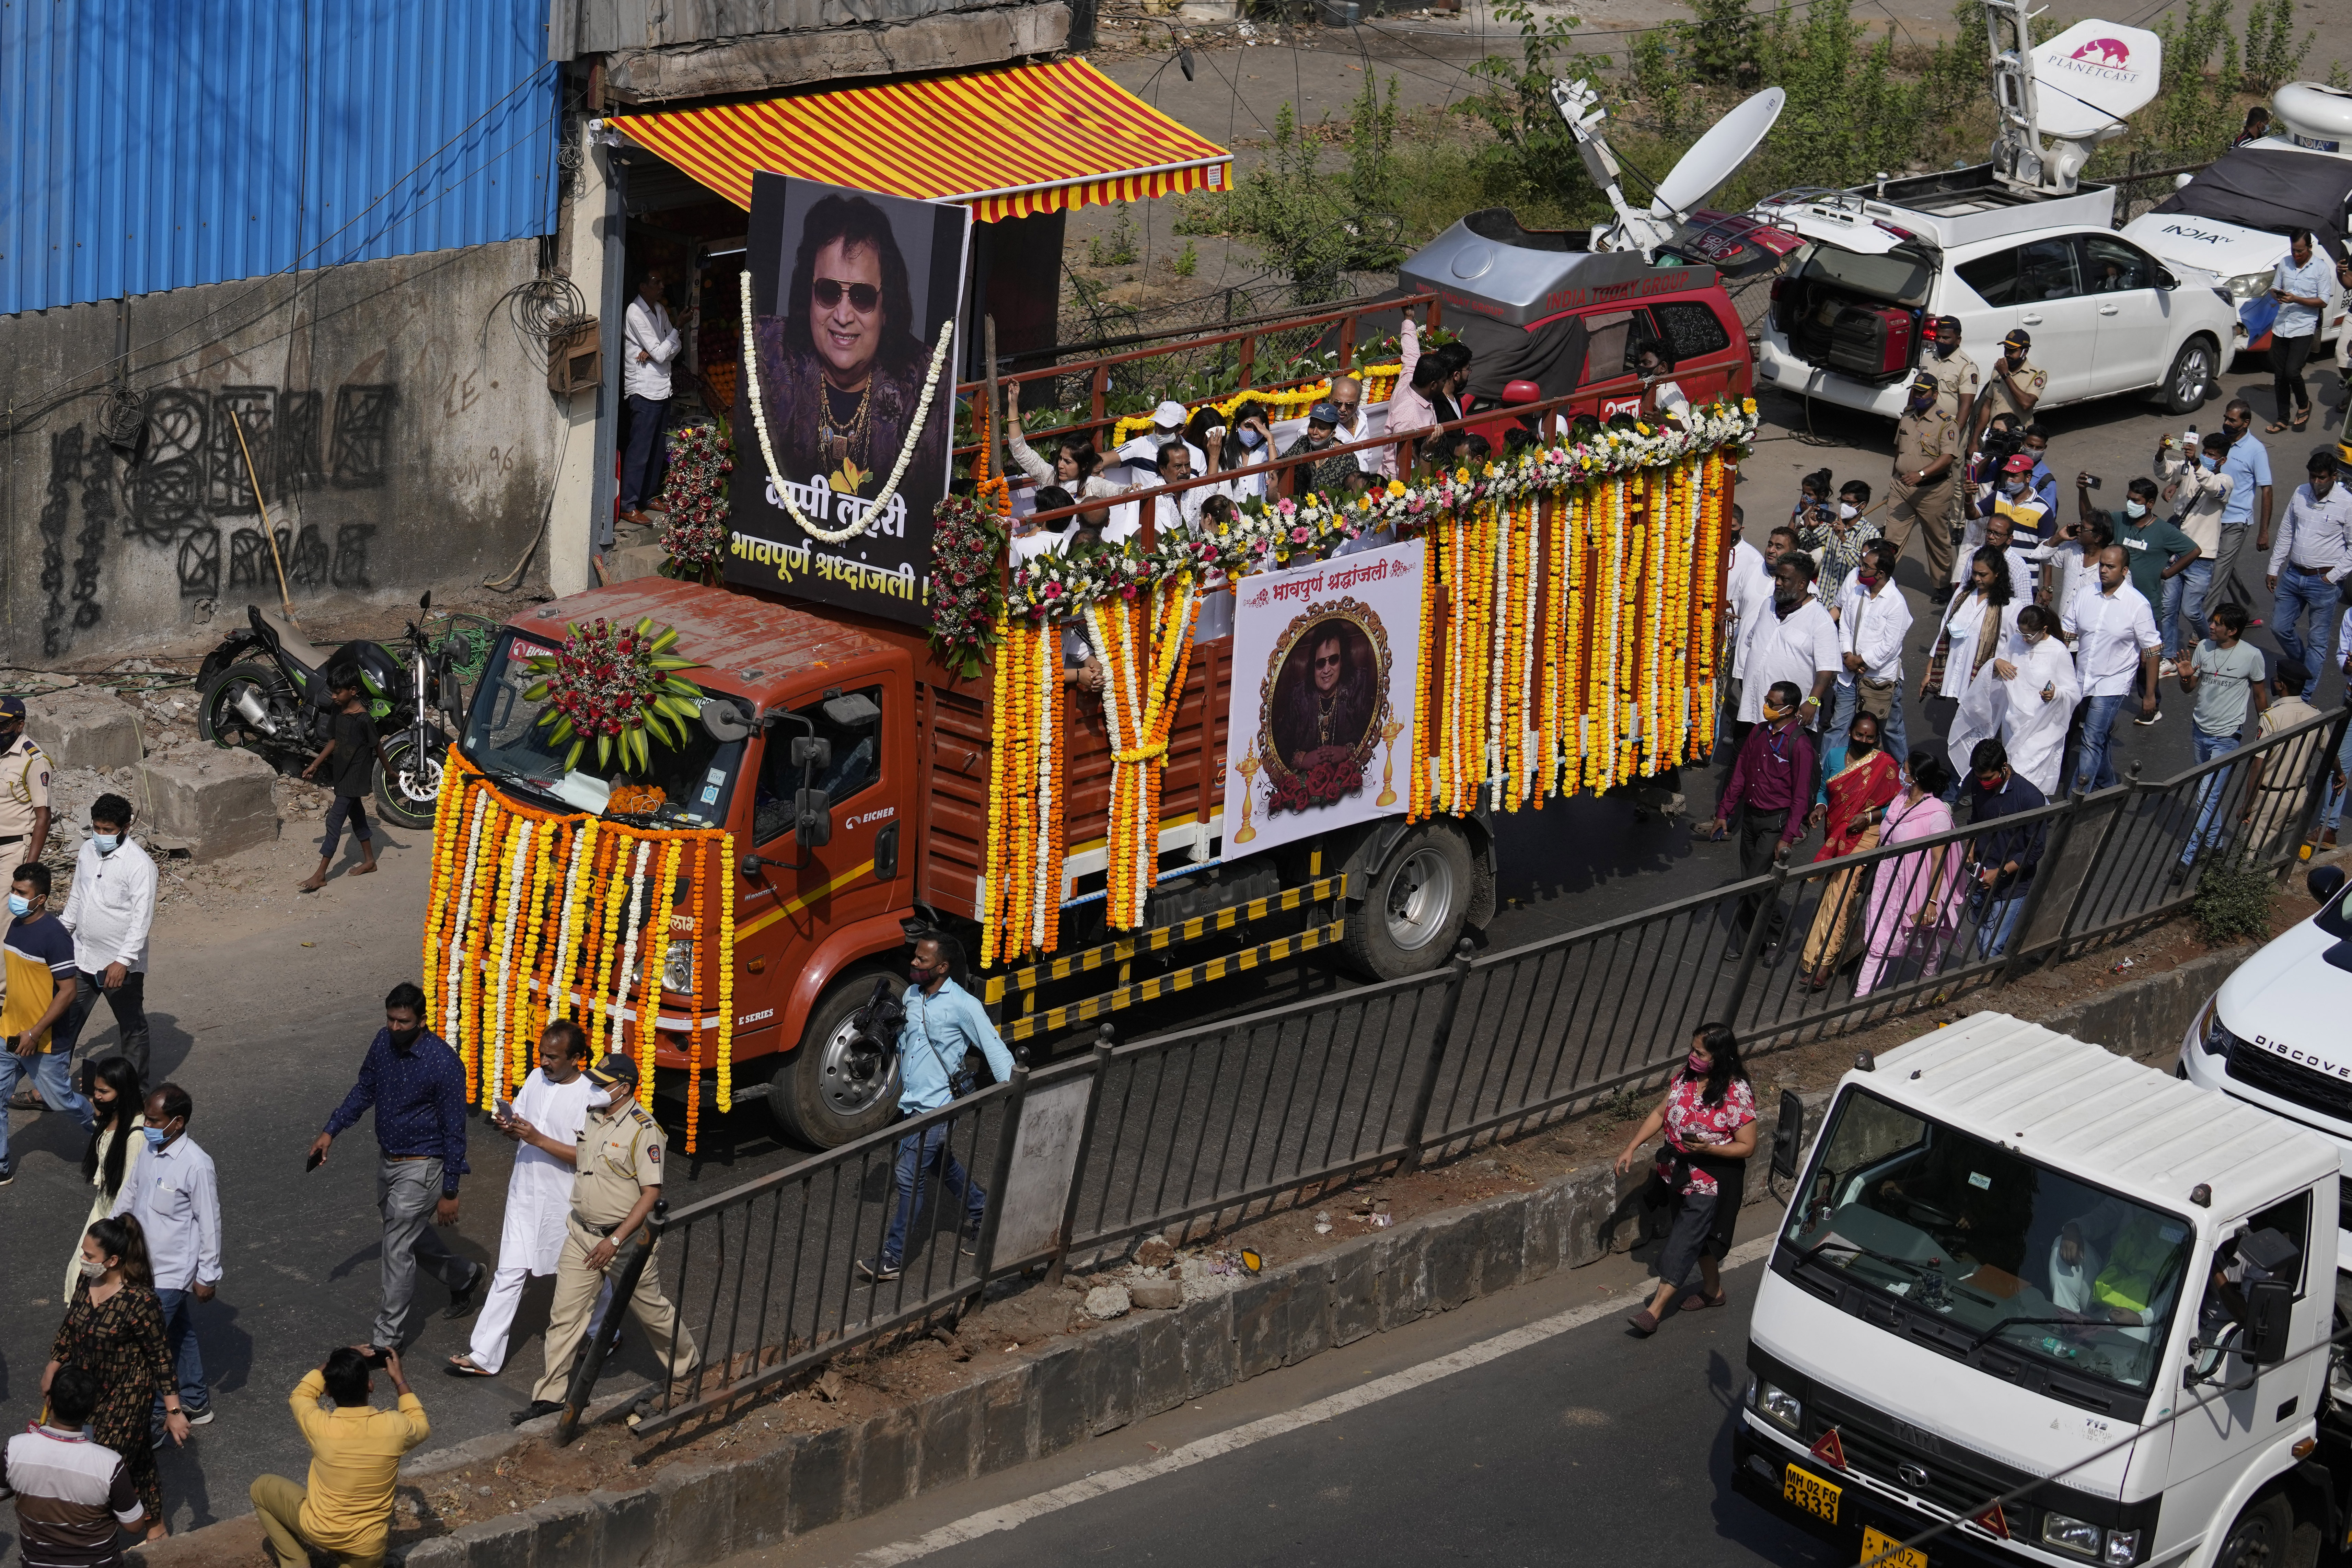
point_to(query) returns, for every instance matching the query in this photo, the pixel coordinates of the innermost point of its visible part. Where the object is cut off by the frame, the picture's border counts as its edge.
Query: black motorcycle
(265, 689)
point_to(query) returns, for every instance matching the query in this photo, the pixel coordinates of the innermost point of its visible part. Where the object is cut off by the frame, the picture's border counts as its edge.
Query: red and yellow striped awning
(1031, 139)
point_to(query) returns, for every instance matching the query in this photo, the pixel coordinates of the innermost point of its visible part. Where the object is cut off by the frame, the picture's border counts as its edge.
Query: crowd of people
(2048, 630)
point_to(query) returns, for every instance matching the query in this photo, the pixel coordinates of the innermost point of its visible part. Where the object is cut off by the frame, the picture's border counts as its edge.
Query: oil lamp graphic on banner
(1247, 767)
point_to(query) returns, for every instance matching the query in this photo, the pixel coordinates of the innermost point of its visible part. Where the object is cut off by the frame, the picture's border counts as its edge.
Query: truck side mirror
(722, 721)
(812, 817)
(1789, 1136)
(2270, 1303)
(809, 752)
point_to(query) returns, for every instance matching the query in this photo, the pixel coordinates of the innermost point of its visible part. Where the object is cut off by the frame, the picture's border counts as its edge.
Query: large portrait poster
(1324, 661)
(852, 303)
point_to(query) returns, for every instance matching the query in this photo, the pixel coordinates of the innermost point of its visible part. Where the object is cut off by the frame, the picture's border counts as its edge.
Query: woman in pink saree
(1915, 904)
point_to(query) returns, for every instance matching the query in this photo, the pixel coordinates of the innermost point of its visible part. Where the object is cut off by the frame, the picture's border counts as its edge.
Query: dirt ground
(1023, 1317)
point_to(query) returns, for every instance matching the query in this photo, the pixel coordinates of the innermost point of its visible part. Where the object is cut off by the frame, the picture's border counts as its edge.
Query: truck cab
(2062, 1306)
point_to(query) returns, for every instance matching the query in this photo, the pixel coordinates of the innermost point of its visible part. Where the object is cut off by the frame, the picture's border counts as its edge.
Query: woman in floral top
(1709, 1119)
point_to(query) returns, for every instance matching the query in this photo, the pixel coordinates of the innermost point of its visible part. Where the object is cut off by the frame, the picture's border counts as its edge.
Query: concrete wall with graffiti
(396, 426)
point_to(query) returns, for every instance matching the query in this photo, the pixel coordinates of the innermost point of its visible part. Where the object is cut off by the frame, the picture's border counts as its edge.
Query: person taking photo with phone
(345, 1512)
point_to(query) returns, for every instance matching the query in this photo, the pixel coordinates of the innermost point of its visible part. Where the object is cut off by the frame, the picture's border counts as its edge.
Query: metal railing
(1127, 1139)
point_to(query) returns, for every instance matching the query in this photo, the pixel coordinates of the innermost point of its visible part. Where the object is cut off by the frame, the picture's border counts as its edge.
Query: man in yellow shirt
(355, 1453)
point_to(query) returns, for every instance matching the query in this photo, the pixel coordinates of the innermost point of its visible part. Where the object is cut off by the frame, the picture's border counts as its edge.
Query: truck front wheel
(826, 1093)
(1415, 910)
(2258, 1538)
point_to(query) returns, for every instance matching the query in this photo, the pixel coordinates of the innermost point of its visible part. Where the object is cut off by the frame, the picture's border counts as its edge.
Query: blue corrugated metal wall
(149, 144)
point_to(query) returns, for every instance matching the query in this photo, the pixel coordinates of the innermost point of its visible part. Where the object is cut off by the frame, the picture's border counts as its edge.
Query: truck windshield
(2004, 1252)
(688, 786)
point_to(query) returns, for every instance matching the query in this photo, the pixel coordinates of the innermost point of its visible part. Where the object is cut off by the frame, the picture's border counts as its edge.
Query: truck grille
(1873, 1449)
(2258, 1069)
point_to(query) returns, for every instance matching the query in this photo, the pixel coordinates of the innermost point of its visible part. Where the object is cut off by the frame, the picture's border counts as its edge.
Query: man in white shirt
(1181, 513)
(648, 342)
(1794, 640)
(176, 1200)
(2313, 555)
(2114, 637)
(1747, 589)
(544, 1121)
(109, 910)
(1872, 620)
(1167, 427)
(1355, 424)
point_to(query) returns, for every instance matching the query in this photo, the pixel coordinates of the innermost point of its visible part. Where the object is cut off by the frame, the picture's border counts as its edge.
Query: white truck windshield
(1999, 1250)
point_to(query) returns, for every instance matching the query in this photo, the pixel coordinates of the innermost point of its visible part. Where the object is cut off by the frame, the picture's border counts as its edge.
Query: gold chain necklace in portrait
(849, 438)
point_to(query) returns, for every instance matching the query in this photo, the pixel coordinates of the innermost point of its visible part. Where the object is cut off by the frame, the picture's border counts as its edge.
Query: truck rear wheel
(1411, 916)
(2258, 1538)
(822, 1094)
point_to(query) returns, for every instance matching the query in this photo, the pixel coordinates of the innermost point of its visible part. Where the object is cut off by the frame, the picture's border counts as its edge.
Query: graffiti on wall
(192, 493)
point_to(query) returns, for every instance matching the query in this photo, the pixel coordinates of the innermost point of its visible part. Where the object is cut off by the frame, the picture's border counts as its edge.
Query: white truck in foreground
(2018, 1267)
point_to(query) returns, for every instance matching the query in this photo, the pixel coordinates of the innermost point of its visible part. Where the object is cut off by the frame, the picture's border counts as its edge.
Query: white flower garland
(453, 1015)
(1049, 794)
(618, 1008)
(906, 449)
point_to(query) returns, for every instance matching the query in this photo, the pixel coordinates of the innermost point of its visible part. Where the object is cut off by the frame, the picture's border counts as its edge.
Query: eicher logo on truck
(883, 814)
(2301, 1057)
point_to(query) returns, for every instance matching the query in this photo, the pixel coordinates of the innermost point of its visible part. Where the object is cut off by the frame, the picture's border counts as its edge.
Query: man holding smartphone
(345, 1512)
(544, 1120)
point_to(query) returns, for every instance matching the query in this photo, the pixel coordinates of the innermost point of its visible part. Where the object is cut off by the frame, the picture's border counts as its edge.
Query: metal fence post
(2054, 846)
(1765, 915)
(1002, 1173)
(1086, 1143)
(2314, 792)
(583, 1386)
(1427, 1088)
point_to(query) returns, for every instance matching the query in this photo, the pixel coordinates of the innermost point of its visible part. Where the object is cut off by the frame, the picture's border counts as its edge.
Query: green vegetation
(2232, 902)
(1118, 247)
(1187, 262)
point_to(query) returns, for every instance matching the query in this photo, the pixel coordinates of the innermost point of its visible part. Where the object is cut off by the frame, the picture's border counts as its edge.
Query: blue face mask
(155, 1136)
(107, 842)
(20, 905)
(1252, 439)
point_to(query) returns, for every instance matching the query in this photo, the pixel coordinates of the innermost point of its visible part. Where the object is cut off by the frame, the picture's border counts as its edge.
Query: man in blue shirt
(943, 1022)
(2248, 506)
(417, 1086)
(2004, 862)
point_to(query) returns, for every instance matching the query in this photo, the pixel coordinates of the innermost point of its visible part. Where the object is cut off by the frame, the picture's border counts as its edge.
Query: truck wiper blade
(1919, 1270)
(2016, 1322)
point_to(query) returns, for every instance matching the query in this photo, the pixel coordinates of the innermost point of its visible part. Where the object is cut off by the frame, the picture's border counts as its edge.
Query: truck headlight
(677, 966)
(2071, 1536)
(2247, 285)
(2123, 1548)
(2218, 1041)
(1779, 1406)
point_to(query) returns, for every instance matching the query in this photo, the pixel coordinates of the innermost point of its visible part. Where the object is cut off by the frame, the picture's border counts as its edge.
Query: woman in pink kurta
(1914, 903)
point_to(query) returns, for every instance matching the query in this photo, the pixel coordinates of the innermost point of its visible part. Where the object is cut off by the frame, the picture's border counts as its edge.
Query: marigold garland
(726, 1047)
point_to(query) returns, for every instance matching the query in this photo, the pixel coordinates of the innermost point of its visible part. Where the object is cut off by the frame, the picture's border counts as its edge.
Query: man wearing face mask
(1770, 784)
(944, 1024)
(417, 1087)
(2015, 505)
(1873, 619)
(1167, 429)
(109, 911)
(23, 786)
(41, 988)
(1794, 640)
(617, 1180)
(2160, 554)
(2043, 483)
(2246, 517)
(1747, 589)
(1926, 456)
(2015, 386)
(176, 1201)
(2312, 558)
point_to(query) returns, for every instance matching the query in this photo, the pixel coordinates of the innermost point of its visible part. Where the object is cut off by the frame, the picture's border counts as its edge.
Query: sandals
(1644, 1323)
(2275, 427)
(463, 1366)
(1699, 1301)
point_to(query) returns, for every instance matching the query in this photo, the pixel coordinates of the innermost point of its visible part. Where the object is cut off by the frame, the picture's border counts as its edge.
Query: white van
(2273, 1035)
(1852, 311)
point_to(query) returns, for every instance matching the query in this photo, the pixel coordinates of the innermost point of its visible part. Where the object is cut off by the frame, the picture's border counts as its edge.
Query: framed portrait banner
(1324, 659)
(851, 302)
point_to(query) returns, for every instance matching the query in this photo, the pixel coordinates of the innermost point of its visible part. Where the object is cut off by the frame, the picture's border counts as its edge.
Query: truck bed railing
(1203, 1124)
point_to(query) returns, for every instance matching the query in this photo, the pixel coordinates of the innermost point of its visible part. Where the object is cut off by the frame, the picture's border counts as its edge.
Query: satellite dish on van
(1717, 157)
(2089, 77)
(2314, 115)
(1712, 160)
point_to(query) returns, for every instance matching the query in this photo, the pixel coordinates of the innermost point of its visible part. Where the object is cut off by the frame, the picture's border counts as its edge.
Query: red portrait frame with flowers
(1330, 781)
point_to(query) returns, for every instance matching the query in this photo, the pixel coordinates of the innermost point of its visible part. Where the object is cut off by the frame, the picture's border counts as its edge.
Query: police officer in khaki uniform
(617, 1177)
(1958, 384)
(1927, 455)
(24, 789)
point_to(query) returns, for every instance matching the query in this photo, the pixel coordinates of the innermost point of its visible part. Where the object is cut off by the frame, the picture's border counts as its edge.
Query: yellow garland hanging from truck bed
(536, 915)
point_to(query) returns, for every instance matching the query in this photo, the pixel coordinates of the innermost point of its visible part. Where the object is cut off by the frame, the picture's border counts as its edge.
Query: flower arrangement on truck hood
(617, 686)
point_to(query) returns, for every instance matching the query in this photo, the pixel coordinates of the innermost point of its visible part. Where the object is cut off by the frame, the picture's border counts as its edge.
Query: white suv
(1850, 312)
